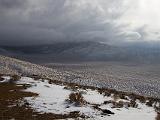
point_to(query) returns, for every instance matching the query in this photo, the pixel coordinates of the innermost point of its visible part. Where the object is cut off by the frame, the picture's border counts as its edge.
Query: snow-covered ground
(5, 79)
(53, 99)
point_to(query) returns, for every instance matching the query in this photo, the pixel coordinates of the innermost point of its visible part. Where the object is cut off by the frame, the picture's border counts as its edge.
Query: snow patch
(95, 97)
(52, 99)
(6, 79)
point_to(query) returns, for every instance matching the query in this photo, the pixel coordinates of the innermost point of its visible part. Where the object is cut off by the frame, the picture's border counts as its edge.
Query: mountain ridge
(82, 51)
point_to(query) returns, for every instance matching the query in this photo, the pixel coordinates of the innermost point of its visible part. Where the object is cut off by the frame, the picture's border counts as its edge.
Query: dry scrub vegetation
(77, 99)
(158, 116)
(12, 108)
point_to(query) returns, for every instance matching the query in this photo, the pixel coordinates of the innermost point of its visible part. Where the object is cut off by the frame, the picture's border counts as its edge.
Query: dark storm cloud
(45, 21)
(9, 4)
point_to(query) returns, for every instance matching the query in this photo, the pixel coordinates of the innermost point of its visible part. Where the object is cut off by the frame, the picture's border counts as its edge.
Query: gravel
(143, 80)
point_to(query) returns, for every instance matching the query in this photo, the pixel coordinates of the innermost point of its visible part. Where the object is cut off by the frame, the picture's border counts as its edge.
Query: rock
(107, 111)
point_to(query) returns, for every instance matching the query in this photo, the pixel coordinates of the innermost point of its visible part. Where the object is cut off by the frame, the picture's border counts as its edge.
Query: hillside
(122, 77)
(82, 51)
(26, 98)
(14, 66)
(36, 92)
(62, 52)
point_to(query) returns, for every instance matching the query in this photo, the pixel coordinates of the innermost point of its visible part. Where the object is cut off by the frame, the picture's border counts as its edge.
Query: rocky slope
(14, 66)
(138, 85)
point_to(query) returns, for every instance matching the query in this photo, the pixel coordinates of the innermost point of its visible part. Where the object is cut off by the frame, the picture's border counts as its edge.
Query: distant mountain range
(82, 51)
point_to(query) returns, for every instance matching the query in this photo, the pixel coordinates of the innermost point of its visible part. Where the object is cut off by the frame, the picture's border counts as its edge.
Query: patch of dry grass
(11, 104)
(15, 78)
(158, 116)
(13, 93)
(104, 91)
(76, 98)
(121, 104)
(150, 103)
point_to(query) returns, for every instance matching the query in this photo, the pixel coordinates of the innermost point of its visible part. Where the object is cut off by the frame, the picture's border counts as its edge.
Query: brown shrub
(133, 104)
(107, 102)
(76, 98)
(50, 81)
(158, 116)
(122, 96)
(107, 94)
(74, 114)
(36, 77)
(132, 96)
(71, 87)
(142, 99)
(116, 97)
(150, 103)
(15, 78)
(118, 104)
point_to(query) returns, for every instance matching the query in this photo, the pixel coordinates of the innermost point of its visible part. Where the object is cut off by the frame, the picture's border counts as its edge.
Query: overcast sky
(46, 21)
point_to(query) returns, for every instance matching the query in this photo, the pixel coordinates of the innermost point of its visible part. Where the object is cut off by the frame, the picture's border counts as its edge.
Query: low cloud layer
(47, 21)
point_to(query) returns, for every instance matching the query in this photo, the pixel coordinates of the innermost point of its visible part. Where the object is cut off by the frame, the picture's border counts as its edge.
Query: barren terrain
(84, 90)
(143, 79)
(26, 98)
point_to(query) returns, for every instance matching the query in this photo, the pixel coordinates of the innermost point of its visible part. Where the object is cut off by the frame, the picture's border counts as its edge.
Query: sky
(47, 21)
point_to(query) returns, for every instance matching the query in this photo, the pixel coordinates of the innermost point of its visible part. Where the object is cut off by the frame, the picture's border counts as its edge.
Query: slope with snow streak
(52, 99)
